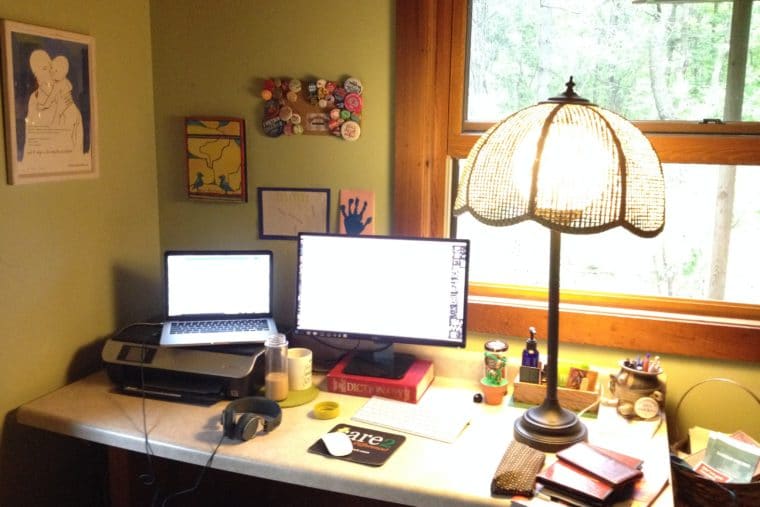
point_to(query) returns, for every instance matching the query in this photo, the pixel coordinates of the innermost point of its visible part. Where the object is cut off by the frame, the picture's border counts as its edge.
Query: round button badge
(353, 102)
(350, 131)
(353, 85)
(646, 407)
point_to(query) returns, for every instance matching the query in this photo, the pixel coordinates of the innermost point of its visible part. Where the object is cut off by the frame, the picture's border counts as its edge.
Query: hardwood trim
(675, 335)
(702, 149)
(690, 127)
(648, 127)
(671, 148)
(458, 69)
(423, 47)
(680, 306)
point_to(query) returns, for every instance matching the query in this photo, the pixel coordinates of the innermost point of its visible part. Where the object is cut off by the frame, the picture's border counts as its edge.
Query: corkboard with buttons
(295, 107)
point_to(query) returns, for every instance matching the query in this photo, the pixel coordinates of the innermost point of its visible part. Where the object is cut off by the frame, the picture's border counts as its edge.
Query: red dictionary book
(408, 388)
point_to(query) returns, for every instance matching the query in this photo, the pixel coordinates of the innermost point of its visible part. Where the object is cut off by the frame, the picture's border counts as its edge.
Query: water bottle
(276, 370)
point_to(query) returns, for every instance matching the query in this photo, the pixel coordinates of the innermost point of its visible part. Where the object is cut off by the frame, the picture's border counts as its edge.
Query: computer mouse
(338, 444)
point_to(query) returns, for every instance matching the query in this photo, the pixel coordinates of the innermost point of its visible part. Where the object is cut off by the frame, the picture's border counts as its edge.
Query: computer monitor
(385, 289)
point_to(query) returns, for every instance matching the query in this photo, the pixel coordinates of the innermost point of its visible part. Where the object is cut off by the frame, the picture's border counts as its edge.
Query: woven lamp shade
(567, 164)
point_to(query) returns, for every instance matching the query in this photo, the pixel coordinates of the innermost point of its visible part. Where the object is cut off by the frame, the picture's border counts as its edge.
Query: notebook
(217, 297)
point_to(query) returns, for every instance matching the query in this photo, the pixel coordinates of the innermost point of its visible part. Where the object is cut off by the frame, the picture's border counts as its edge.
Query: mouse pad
(371, 447)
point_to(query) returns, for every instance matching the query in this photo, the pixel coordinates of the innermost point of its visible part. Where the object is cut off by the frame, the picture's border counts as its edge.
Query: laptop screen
(218, 283)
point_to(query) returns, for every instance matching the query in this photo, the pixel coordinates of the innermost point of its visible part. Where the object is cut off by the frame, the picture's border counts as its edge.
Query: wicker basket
(693, 490)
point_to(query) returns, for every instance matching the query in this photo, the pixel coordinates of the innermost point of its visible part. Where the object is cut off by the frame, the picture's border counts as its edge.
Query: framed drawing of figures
(50, 104)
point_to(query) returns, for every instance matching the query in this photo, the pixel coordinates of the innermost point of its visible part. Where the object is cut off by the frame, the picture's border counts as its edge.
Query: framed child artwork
(284, 212)
(356, 212)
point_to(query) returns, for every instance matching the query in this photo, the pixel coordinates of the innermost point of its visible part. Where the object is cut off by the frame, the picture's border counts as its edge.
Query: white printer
(137, 364)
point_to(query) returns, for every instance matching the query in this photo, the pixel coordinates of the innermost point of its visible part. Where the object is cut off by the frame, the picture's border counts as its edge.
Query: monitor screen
(388, 289)
(218, 283)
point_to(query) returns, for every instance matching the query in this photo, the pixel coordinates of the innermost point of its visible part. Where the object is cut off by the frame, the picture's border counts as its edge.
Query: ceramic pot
(493, 394)
(632, 387)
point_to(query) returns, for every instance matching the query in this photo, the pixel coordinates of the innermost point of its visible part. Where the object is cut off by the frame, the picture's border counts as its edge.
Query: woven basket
(693, 490)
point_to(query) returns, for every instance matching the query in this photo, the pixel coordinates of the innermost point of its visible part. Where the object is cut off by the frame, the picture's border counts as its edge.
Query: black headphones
(252, 411)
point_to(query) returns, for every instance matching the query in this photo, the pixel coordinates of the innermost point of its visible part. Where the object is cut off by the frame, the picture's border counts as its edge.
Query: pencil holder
(640, 394)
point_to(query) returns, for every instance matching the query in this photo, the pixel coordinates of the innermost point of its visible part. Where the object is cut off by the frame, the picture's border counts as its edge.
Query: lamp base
(549, 428)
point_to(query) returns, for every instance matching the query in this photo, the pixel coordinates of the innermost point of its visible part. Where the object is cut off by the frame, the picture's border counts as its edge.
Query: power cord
(198, 479)
(149, 478)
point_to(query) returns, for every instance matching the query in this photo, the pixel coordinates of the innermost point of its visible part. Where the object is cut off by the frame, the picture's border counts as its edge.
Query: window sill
(662, 332)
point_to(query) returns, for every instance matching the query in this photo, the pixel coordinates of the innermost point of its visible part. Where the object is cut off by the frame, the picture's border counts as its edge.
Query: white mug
(299, 368)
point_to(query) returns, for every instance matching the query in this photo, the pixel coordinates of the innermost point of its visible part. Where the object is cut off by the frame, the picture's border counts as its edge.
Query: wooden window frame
(430, 133)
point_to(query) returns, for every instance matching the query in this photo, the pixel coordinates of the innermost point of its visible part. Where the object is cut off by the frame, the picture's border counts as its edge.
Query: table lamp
(575, 168)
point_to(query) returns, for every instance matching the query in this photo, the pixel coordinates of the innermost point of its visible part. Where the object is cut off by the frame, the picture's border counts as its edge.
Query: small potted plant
(494, 384)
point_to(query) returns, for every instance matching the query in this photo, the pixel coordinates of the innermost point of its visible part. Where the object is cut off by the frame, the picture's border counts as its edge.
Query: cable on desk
(198, 479)
(147, 478)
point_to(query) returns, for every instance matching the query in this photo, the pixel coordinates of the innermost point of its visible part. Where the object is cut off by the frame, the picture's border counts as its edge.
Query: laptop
(217, 298)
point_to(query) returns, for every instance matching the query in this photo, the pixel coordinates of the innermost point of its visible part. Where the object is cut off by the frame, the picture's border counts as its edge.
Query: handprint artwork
(356, 212)
(352, 220)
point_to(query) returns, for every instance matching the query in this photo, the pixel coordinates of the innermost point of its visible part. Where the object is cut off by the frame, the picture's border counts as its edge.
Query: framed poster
(284, 212)
(50, 104)
(215, 149)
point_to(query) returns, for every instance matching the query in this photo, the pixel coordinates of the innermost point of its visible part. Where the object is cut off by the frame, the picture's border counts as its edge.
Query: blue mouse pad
(371, 447)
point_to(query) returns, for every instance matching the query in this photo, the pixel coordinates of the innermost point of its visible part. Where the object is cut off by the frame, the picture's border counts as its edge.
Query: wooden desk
(421, 472)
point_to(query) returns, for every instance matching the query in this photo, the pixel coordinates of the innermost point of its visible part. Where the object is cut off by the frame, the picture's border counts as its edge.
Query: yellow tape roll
(326, 410)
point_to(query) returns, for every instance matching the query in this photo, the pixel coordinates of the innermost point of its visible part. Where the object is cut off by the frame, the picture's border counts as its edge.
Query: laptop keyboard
(219, 326)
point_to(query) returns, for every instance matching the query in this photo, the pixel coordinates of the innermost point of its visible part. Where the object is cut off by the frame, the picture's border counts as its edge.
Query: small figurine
(494, 384)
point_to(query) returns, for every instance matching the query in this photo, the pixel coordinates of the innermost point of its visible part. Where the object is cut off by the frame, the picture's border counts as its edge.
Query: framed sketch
(50, 104)
(284, 212)
(215, 148)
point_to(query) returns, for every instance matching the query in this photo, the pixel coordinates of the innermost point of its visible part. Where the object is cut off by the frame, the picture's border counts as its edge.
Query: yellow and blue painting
(216, 159)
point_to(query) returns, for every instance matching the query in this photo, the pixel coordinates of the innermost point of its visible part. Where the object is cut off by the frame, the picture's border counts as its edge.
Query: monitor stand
(383, 363)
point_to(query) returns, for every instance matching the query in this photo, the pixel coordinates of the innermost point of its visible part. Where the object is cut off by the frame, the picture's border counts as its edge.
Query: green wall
(78, 258)
(215, 65)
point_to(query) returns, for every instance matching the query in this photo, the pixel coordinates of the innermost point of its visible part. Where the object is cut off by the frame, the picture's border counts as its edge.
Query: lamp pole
(552, 344)
(549, 427)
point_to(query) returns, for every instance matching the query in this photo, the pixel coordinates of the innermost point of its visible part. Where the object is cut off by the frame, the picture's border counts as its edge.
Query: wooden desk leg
(119, 476)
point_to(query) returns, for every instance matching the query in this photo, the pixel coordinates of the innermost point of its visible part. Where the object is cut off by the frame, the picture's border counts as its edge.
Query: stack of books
(585, 474)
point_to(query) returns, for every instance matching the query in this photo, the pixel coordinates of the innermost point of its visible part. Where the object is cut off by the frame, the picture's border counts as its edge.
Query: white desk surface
(421, 472)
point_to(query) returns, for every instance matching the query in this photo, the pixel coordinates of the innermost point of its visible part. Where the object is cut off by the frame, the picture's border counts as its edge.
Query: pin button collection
(314, 107)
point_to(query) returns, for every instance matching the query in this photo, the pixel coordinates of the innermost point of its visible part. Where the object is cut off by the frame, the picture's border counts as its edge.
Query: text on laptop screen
(411, 290)
(218, 284)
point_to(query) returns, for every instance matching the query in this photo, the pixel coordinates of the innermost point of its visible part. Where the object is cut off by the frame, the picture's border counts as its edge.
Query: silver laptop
(217, 297)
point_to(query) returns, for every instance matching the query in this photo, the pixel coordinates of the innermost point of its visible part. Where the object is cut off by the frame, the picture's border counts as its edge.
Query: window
(433, 132)
(680, 262)
(642, 60)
